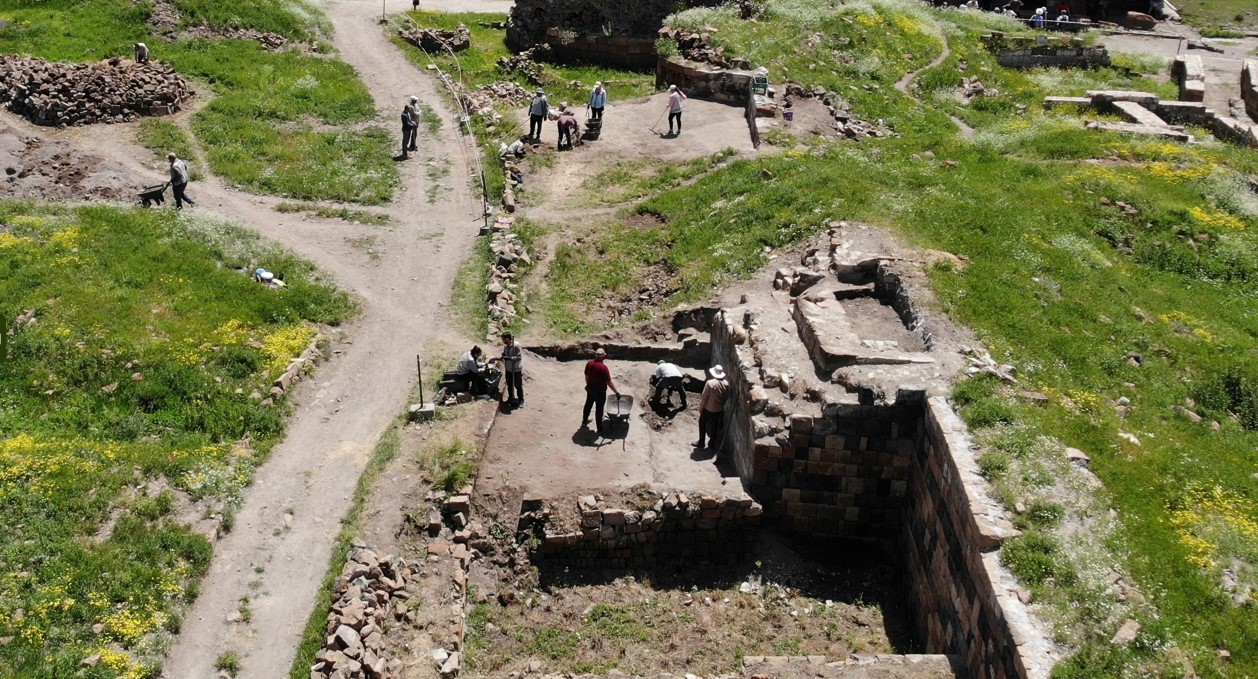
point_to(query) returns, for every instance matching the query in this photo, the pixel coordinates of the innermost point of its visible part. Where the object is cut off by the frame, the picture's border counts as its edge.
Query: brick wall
(678, 527)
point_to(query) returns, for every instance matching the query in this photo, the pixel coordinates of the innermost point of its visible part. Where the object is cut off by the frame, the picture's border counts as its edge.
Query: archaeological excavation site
(839, 528)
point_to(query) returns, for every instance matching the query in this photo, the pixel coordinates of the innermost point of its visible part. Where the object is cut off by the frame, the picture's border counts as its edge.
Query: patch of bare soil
(655, 288)
(49, 169)
(702, 619)
(875, 320)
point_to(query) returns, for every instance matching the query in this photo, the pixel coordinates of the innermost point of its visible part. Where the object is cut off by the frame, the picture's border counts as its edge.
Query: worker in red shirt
(598, 379)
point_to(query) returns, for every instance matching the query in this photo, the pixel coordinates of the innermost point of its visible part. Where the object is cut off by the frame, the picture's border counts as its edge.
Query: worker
(179, 181)
(598, 379)
(513, 370)
(141, 53)
(598, 100)
(676, 103)
(667, 380)
(539, 108)
(712, 407)
(515, 149)
(472, 370)
(567, 125)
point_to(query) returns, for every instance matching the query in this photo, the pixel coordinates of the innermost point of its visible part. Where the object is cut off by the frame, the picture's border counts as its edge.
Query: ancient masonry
(675, 528)
(607, 31)
(1024, 52)
(1149, 115)
(899, 470)
(112, 91)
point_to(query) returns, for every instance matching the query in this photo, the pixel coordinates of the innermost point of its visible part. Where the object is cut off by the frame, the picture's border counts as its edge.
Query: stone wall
(1249, 87)
(952, 529)
(704, 81)
(1023, 52)
(1190, 74)
(900, 473)
(607, 31)
(675, 528)
(841, 475)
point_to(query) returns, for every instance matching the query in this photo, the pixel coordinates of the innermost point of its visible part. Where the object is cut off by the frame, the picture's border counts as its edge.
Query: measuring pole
(419, 369)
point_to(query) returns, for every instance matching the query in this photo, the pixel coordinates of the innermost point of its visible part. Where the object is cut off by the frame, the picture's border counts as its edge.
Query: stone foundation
(1023, 52)
(602, 31)
(1190, 73)
(1227, 128)
(675, 528)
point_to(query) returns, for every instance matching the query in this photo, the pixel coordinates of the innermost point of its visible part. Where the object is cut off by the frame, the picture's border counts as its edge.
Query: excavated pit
(840, 529)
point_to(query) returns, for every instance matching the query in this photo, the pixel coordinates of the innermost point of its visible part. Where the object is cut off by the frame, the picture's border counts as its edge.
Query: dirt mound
(54, 170)
(112, 91)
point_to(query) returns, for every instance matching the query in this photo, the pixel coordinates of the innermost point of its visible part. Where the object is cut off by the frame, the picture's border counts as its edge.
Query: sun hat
(598, 83)
(600, 352)
(661, 362)
(1040, 10)
(541, 91)
(717, 371)
(414, 98)
(671, 88)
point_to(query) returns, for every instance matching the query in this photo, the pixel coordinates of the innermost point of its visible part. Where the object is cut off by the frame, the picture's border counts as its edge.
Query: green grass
(342, 213)
(162, 137)
(147, 324)
(267, 128)
(1214, 14)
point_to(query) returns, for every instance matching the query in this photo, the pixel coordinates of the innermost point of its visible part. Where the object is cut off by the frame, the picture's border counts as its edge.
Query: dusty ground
(701, 621)
(634, 129)
(36, 166)
(543, 449)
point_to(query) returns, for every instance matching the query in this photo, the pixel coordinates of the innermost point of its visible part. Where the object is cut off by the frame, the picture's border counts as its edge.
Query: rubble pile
(438, 40)
(500, 296)
(370, 596)
(481, 102)
(972, 87)
(270, 41)
(696, 47)
(112, 91)
(845, 123)
(525, 63)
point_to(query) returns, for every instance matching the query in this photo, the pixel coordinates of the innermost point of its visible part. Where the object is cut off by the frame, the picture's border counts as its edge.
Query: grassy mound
(126, 412)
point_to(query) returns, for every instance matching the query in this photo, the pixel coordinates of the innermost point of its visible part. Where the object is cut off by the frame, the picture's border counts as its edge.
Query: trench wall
(678, 527)
(1249, 87)
(900, 473)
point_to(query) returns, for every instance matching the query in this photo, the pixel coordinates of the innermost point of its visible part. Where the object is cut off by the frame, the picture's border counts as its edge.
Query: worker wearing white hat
(712, 407)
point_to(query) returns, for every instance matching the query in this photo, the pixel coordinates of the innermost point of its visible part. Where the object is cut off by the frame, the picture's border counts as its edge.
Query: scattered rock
(1126, 634)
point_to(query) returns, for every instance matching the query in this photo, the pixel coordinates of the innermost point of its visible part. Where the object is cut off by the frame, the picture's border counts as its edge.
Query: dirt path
(278, 552)
(904, 83)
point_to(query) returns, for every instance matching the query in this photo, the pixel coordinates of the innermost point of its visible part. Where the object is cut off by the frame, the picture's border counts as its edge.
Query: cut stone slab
(827, 332)
(1138, 114)
(1147, 130)
(1146, 99)
(1053, 102)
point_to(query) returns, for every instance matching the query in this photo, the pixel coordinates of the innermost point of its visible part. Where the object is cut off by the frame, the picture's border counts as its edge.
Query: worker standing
(410, 126)
(539, 108)
(179, 180)
(712, 407)
(676, 104)
(598, 379)
(598, 100)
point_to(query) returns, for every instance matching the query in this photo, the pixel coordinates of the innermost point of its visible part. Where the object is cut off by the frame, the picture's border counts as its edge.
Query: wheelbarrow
(618, 408)
(153, 194)
(593, 128)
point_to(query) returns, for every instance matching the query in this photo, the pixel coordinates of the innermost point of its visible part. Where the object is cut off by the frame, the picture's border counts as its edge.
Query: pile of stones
(525, 63)
(500, 296)
(696, 47)
(112, 91)
(972, 87)
(272, 42)
(438, 40)
(370, 594)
